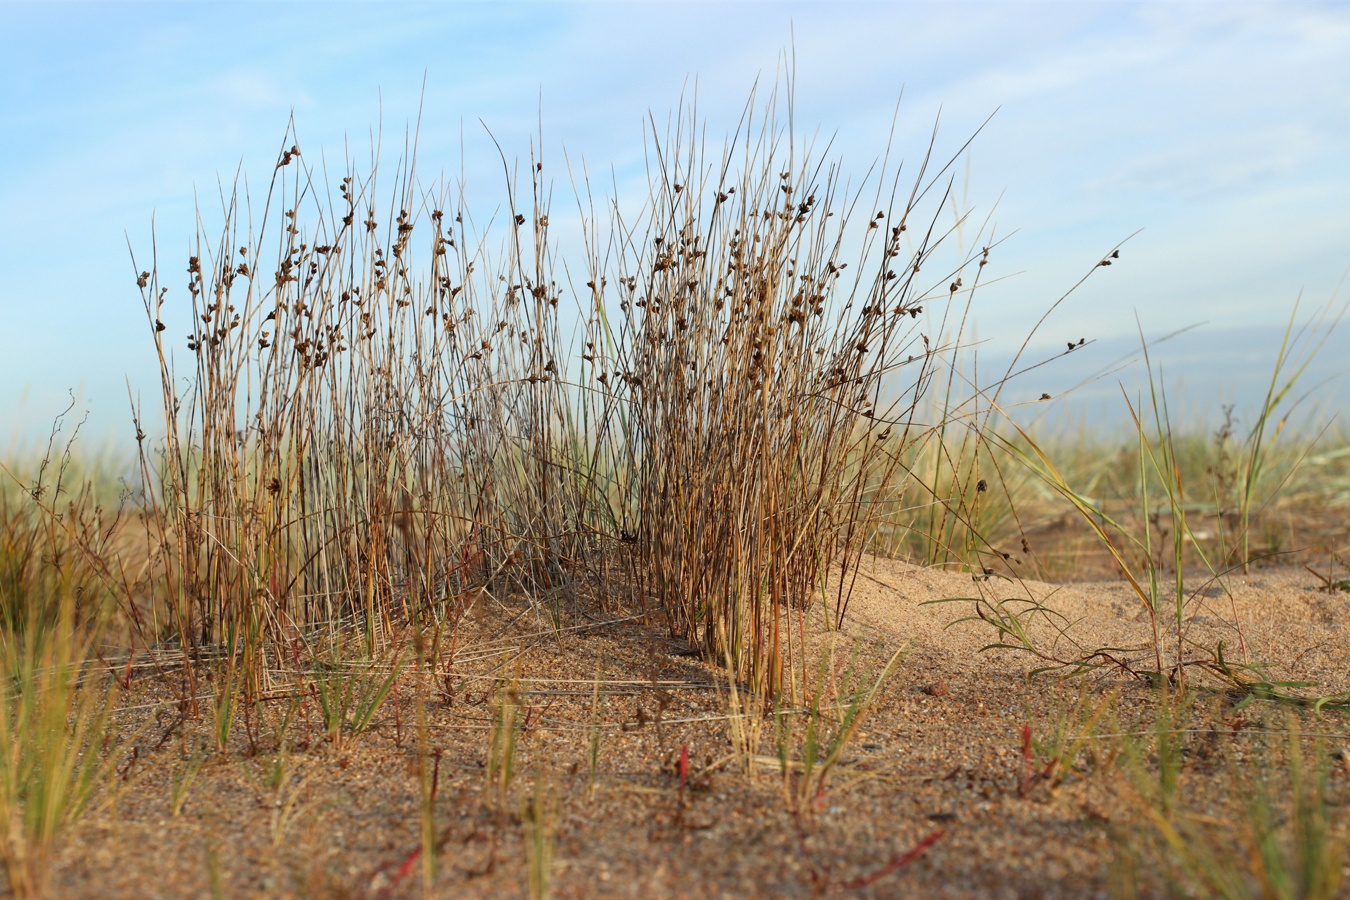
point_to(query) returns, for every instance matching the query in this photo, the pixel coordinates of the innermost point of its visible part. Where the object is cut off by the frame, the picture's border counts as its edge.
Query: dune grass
(383, 417)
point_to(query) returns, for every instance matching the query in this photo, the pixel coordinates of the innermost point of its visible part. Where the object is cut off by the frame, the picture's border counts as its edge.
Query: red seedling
(684, 769)
(897, 861)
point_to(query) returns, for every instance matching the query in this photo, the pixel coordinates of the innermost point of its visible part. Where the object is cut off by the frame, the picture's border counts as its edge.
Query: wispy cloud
(1221, 163)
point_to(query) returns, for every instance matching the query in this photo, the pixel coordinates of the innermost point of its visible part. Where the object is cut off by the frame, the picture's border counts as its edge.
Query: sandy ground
(933, 797)
(1284, 618)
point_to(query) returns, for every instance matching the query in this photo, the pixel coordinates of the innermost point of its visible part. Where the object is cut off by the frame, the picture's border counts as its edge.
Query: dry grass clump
(384, 422)
(772, 369)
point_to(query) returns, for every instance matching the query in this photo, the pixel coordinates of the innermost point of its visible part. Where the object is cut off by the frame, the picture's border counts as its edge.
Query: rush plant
(384, 417)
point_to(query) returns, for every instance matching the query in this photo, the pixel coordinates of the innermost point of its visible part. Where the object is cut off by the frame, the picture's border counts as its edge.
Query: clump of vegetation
(384, 419)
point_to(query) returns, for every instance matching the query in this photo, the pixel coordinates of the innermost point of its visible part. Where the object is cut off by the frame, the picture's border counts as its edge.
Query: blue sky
(1220, 129)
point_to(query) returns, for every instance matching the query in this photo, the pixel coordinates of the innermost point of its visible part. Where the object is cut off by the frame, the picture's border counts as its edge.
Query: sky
(1219, 131)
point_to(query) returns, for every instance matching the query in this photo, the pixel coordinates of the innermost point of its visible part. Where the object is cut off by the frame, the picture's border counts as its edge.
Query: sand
(932, 797)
